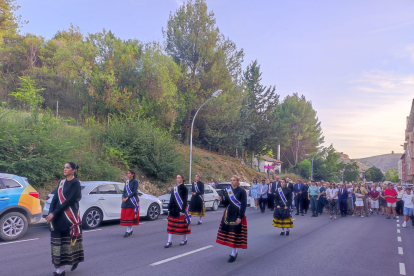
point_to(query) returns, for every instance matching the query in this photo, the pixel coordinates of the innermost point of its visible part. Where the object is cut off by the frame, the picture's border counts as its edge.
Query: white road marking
(400, 250)
(402, 269)
(398, 220)
(181, 255)
(398, 225)
(398, 217)
(399, 239)
(398, 231)
(164, 219)
(92, 230)
(18, 241)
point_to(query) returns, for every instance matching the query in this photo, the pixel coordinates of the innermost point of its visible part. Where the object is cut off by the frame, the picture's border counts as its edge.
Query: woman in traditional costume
(196, 206)
(179, 222)
(65, 223)
(233, 226)
(130, 204)
(282, 217)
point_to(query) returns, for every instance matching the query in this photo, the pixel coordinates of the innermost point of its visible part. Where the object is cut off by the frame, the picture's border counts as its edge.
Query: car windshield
(222, 186)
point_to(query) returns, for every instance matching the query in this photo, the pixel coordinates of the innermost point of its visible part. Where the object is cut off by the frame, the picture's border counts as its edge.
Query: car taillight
(36, 195)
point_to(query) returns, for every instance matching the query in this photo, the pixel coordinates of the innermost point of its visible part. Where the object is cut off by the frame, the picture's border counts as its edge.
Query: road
(316, 246)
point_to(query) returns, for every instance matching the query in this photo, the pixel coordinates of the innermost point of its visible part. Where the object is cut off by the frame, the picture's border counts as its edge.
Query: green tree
(297, 129)
(374, 174)
(29, 93)
(9, 21)
(391, 174)
(351, 172)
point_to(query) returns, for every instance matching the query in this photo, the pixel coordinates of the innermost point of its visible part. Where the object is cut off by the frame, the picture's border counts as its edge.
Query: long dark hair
(133, 172)
(74, 167)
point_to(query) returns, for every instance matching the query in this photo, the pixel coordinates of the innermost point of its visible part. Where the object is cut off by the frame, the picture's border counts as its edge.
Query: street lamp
(215, 95)
(323, 149)
(343, 170)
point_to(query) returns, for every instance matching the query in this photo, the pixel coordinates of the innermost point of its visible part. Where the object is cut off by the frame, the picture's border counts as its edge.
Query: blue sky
(353, 59)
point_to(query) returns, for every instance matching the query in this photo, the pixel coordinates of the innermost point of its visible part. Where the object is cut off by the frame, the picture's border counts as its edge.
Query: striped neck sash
(133, 199)
(70, 215)
(181, 203)
(233, 198)
(198, 190)
(282, 196)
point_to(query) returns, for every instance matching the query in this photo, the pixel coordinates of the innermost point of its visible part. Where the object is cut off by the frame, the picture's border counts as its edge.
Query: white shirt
(378, 189)
(408, 200)
(332, 192)
(400, 194)
(211, 184)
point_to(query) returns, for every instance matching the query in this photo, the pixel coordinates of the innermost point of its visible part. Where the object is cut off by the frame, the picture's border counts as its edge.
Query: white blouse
(332, 192)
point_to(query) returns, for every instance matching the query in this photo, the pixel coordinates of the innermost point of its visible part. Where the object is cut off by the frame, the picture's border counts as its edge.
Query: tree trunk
(237, 154)
(252, 159)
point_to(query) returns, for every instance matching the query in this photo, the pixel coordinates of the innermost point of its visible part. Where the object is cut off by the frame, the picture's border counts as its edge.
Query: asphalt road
(316, 246)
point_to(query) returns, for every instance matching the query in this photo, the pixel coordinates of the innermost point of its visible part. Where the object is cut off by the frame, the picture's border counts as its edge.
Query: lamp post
(215, 95)
(343, 170)
(323, 149)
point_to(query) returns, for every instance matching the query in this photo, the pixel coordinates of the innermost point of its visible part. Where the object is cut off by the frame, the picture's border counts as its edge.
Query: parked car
(19, 206)
(210, 198)
(101, 201)
(243, 185)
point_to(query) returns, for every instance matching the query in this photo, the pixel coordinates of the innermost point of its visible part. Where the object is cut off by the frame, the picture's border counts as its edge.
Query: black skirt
(196, 208)
(65, 250)
(232, 234)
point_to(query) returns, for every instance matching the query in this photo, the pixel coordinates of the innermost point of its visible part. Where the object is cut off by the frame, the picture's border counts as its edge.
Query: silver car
(210, 198)
(101, 201)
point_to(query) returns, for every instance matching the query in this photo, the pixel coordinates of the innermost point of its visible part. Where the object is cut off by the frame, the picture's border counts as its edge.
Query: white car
(101, 201)
(210, 198)
(243, 185)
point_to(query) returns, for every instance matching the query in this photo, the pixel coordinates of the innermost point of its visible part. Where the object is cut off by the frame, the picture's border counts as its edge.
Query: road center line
(402, 269)
(398, 220)
(400, 250)
(92, 230)
(398, 231)
(399, 239)
(398, 225)
(18, 241)
(181, 255)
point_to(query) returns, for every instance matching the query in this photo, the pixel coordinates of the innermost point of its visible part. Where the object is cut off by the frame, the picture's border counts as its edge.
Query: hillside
(383, 162)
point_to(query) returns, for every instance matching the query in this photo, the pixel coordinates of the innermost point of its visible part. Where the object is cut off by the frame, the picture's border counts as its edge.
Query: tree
(374, 174)
(391, 175)
(9, 21)
(29, 93)
(351, 172)
(297, 128)
(257, 108)
(208, 62)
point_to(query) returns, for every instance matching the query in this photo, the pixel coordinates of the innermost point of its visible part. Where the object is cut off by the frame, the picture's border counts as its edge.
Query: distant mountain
(345, 158)
(383, 162)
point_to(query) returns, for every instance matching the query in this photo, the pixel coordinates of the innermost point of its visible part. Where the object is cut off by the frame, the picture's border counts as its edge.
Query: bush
(139, 143)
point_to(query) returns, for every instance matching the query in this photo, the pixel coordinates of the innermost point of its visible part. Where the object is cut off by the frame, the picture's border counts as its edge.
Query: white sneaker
(404, 224)
(362, 216)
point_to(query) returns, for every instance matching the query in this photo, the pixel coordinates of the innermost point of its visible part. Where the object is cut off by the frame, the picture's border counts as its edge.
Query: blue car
(19, 206)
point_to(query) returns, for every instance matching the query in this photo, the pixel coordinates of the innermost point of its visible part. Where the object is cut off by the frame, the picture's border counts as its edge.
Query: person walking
(305, 196)
(313, 192)
(179, 222)
(282, 217)
(359, 202)
(196, 207)
(298, 190)
(391, 197)
(263, 188)
(321, 198)
(130, 204)
(233, 226)
(374, 198)
(332, 194)
(255, 192)
(270, 196)
(65, 223)
(343, 200)
(400, 203)
(408, 198)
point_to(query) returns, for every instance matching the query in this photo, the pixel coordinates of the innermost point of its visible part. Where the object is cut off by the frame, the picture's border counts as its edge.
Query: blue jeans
(314, 205)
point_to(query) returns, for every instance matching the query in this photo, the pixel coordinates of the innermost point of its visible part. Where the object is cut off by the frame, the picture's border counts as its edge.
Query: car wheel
(13, 226)
(215, 205)
(153, 211)
(92, 218)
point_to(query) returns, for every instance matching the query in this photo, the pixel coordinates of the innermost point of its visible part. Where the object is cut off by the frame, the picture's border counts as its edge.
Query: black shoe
(287, 233)
(232, 259)
(168, 245)
(297, 214)
(302, 215)
(59, 274)
(198, 223)
(74, 267)
(127, 235)
(313, 216)
(282, 233)
(272, 209)
(183, 242)
(306, 213)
